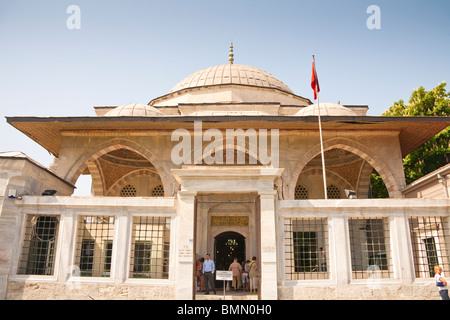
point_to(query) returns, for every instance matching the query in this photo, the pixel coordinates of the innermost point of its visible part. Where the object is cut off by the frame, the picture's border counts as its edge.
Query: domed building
(229, 162)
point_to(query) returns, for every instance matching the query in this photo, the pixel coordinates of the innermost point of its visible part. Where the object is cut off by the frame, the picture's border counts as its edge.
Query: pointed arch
(351, 146)
(111, 145)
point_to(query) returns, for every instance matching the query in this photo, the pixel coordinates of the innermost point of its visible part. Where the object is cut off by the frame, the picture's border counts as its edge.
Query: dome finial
(231, 55)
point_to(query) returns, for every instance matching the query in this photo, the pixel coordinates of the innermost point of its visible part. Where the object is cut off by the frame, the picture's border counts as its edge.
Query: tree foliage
(435, 153)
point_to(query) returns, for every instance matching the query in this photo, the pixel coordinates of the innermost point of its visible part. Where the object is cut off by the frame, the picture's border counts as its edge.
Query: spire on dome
(231, 55)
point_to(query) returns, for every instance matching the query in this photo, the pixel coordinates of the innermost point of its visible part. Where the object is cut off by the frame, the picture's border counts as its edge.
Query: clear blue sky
(134, 51)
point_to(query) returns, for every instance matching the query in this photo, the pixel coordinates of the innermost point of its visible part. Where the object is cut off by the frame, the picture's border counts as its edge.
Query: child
(441, 283)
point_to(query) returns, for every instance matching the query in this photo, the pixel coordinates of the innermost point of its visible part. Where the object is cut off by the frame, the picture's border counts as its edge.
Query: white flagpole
(321, 138)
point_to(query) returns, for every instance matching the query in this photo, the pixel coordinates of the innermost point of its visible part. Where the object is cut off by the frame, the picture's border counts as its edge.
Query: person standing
(441, 283)
(253, 274)
(245, 275)
(200, 278)
(208, 274)
(237, 270)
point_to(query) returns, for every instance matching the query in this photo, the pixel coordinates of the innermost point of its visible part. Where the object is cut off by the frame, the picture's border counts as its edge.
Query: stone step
(229, 295)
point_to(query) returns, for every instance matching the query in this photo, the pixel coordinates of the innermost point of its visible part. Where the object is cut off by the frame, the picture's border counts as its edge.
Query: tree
(433, 154)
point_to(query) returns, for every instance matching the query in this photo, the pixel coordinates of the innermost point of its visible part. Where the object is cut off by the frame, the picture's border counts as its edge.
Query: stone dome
(231, 74)
(134, 110)
(326, 109)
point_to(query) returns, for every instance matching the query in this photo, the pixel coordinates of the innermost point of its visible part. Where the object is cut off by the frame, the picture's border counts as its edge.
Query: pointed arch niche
(347, 167)
(119, 167)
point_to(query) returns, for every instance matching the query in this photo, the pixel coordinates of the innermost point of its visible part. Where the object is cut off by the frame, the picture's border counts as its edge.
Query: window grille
(128, 191)
(306, 248)
(94, 245)
(39, 245)
(150, 246)
(369, 245)
(430, 240)
(301, 192)
(333, 192)
(158, 191)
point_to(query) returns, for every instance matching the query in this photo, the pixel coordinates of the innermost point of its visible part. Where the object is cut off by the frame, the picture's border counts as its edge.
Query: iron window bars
(150, 246)
(94, 245)
(39, 245)
(306, 248)
(430, 240)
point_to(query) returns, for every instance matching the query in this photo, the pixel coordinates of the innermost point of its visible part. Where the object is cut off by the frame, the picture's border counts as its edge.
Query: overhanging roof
(48, 131)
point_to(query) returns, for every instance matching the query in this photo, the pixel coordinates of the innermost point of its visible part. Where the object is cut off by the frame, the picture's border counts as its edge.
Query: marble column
(268, 272)
(184, 253)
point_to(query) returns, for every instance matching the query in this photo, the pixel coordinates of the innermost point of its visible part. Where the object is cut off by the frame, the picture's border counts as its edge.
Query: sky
(133, 51)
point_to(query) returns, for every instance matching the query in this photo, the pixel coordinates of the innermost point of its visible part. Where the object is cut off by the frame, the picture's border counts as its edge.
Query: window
(369, 245)
(150, 248)
(39, 245)
(333, 192)
(301, 192)
(429, 237)
(94, 245)
(128, 191)
(306, 247)
(158, 191)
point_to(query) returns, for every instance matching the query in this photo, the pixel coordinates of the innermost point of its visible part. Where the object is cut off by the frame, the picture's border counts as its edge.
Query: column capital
(267, 194)
(185, 195)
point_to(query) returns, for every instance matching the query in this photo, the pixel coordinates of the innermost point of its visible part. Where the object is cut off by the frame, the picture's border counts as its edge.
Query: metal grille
(128, 191)
(306, 248)
(158, 191)
(94, 245)
(369, 246)
(39, 245)
(333, 192)
(150, 246)
(301, 192)
(430, 240)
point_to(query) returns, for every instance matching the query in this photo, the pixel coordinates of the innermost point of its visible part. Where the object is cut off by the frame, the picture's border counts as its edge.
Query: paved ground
(229, 295)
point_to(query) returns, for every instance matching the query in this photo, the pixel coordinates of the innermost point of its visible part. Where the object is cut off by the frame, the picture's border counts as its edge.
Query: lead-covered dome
(231, 74)
(326, 109)
(134, 110)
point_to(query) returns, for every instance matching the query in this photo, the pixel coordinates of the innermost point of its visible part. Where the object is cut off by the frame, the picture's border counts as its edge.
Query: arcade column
(184, 245)
(268, 242)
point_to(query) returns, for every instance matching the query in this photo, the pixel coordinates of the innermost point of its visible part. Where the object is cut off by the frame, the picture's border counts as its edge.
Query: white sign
(224, 275)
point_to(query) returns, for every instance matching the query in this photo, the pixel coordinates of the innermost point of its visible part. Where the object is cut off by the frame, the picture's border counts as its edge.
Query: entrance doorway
(227, 246)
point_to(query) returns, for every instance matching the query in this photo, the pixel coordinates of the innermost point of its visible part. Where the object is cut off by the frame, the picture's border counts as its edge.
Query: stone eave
(48, 131)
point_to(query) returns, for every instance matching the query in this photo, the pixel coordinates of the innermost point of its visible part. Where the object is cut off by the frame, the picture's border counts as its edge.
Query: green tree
(435, 152)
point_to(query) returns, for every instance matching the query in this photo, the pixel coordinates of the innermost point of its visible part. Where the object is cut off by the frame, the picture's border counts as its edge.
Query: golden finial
(231, 55)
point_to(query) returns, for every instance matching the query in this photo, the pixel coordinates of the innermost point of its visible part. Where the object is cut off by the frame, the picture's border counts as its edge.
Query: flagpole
(321, 139)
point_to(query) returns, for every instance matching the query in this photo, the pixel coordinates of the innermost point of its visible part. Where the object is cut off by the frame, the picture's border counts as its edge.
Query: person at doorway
(200, 277)
(253, 274)
(208, 274)
(244, 275)
(441, 283)
(237, 270)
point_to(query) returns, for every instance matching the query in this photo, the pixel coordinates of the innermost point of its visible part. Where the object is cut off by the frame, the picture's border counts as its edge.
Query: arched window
(158, 191)
(333, 192)
(301, 192)
(128, 191)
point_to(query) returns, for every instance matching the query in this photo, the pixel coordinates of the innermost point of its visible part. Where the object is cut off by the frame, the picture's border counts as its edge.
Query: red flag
(314, 81)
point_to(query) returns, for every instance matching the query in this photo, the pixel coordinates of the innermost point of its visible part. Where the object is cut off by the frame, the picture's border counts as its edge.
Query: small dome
(326, 109)
(134, 110)
(231, 74)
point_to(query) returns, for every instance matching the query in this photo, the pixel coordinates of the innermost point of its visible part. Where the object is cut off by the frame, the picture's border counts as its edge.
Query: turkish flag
(314, 81)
